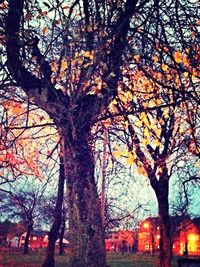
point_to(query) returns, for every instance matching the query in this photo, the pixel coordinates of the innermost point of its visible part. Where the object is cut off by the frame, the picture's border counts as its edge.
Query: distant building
(37, 239)
(149, 235)
(185, 235)
(120, 241)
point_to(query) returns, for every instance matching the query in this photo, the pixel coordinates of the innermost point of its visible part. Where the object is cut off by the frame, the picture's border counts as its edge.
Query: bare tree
(23, 202)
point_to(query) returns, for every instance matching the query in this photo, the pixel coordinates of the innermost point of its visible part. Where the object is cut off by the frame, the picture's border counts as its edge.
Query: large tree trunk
(26, 241)
(163, 210)
(85, 222)
(54, 232)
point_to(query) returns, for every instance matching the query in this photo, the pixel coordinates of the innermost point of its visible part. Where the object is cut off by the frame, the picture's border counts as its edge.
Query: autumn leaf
(140, 170)
(89, 28)
(130, 161)
(136, 58)
(45, 31)
(155, 59)
(138, 123)
(164, 67)
(54, 66)
(117, 153)
(64, 65)
(156, 142)
(145, 141)
(16, 110)
(106, 123)
(87, 54)
(178, 57)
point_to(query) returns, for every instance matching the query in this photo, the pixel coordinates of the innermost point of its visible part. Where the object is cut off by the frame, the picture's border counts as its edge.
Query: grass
(17, 259)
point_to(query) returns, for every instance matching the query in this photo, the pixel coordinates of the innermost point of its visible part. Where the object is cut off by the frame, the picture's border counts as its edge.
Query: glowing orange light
(146, 225)
(192, 237)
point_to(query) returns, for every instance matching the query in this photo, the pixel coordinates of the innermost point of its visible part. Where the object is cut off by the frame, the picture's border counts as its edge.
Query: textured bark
(26, 241)
(62, 231)
(162, 192)
(85, 222)
(49, 260)
(73, 115)
(54, 232)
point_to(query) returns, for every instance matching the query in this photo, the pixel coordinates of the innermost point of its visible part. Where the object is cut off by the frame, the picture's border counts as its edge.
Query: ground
(16, 259)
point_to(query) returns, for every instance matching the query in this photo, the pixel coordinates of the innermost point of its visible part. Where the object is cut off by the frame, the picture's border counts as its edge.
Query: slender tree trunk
(26, 241)
(163, 210)
(62, 231)
(85, 221)
(54, 232)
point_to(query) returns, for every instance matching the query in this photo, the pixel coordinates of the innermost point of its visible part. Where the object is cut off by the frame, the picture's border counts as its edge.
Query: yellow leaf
(122, 97)
(117, 153)
(145, 141)
(146, 121)
(166, 113)
(129, 95)
(196, 164)
(130, 161)
(152, 103)
(146, 132)
(54, 66)
(63, 65)
(156, 142)
(155, 59)
(114, 102)
(158, 102)
(141, 170)
(73, 62)
(185, 74)
(164, 67)
(87, 54)
(138, 123)
(132, 154)
(181, 130)
(126, 153)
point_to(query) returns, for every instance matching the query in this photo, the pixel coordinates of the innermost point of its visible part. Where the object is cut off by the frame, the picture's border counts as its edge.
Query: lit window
(158, 236)
(146, 225)
(34, 238)
(192, 237)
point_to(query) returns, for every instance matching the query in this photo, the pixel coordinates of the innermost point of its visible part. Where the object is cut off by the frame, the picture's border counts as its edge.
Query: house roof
(39, 233)
(176, 221)
(196, 222)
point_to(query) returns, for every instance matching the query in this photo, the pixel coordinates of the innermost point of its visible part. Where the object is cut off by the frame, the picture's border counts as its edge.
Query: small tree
(23, 203)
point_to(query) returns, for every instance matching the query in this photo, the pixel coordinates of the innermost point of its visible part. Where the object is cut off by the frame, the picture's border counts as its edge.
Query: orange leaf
(164, 67)
(54, 66)
(178, 57)
(45, 31)
(63, 64)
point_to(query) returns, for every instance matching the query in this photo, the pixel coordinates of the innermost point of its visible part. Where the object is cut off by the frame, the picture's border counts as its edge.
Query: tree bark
(26, 241)
(85, 222)
(54, 232)
(62, 231)
(162, 192)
